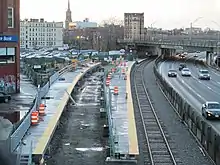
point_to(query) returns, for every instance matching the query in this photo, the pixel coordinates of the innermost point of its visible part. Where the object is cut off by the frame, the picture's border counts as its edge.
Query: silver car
(186, 72)
(211, 110)
(204, 74)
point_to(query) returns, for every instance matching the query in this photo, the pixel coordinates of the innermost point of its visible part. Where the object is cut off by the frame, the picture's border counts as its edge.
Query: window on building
(11, 51)
(7, 55)
(3, 52)
(10, 17)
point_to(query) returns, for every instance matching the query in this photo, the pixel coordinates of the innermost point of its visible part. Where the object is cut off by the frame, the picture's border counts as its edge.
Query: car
(211, 110)
(185, 72)
(4, 98)
(204, 74)
(195, 55)
(172, 73)
(182, 66)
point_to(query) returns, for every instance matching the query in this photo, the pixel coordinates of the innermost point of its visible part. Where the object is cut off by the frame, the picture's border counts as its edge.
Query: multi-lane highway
(195, 91)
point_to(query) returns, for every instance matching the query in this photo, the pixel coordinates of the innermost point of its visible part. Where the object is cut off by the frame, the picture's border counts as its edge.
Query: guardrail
(208, 137)
(188, 43)
(25, 123)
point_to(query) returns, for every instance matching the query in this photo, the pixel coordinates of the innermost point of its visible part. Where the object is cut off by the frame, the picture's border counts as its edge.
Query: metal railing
(25, 123)
(192, 43)
(108, 106)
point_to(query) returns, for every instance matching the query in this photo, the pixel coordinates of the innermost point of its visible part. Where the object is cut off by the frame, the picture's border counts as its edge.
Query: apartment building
(9, 46)
(38, 33)
(133, 26)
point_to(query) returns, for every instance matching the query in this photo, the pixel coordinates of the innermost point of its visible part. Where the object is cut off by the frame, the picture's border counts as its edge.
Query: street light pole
(78, 39)
(151, 25)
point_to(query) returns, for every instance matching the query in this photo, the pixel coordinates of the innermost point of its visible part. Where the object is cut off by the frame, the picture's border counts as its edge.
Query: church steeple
(68, 5)
(68, 16)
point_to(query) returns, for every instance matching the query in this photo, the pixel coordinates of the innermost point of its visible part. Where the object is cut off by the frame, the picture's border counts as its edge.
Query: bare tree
(112, 21)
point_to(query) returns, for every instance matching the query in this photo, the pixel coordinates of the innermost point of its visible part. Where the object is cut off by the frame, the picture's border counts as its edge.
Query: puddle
(85, 125)
(90, 149)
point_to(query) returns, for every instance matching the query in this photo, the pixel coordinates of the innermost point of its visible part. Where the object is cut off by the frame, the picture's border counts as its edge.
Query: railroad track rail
(157, 150)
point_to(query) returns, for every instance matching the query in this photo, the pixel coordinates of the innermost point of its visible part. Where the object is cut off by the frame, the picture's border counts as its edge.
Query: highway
(195, 91)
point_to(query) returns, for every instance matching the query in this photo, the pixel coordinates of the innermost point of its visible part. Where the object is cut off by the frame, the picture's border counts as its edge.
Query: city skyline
(168, 15)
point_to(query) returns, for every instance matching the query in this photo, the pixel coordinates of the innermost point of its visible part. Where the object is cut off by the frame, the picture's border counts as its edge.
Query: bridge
(208, 45)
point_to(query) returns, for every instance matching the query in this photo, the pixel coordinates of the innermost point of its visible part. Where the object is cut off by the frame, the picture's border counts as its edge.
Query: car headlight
(209, 112)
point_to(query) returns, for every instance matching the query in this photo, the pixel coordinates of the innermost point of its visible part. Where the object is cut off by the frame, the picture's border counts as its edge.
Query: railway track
(156, 148)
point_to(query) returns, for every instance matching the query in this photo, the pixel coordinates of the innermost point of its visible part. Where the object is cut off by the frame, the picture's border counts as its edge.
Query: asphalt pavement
(195, 91)
(182, 141)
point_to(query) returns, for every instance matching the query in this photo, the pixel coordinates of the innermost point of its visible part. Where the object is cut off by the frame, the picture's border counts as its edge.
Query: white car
(186, 72)
(204, 74)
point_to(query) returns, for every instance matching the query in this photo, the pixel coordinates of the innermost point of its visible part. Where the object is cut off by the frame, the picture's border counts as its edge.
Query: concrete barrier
(207, 136)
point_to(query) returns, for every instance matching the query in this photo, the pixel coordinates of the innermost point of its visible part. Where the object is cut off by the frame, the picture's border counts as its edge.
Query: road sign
(7, 38)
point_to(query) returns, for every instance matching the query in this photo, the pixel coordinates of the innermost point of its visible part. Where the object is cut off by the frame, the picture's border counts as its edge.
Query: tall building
(68, 16)
(39, 33)
(133, 26)
(9, 46)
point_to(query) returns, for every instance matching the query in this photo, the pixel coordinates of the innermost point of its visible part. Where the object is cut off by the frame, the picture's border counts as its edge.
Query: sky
(167, 14)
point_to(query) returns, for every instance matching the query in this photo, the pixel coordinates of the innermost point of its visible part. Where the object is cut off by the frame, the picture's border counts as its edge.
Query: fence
(200, 128)
(24, 125)
(108, 107)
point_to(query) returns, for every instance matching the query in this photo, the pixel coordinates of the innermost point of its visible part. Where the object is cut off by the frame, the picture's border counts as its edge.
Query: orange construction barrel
(109, 76)
(107, 82)
(42, 110)
(115, 90)
(113, 70)
(34, 118)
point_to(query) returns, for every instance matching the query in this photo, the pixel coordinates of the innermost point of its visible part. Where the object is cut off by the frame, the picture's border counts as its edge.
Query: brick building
(9, 46)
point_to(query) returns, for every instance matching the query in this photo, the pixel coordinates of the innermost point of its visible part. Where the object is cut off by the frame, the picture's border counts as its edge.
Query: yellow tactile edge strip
(132, 133)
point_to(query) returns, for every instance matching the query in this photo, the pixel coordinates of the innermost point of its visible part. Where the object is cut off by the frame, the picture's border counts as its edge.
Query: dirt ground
(78, 139)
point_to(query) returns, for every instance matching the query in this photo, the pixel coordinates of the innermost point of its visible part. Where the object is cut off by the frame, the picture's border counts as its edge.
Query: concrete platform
(38, 137)
(124, 127)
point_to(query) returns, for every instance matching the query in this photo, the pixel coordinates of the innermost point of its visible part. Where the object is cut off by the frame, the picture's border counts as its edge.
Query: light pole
(191, 26)
(79, 40)
(99, 43)
(151, 26)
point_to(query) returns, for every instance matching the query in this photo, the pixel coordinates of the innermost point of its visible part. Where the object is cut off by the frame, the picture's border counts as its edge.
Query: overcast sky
(165, 13)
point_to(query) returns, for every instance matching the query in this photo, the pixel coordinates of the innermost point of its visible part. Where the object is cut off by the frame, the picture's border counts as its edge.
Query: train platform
(122, 114)
(21, 102)
(38, 137)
